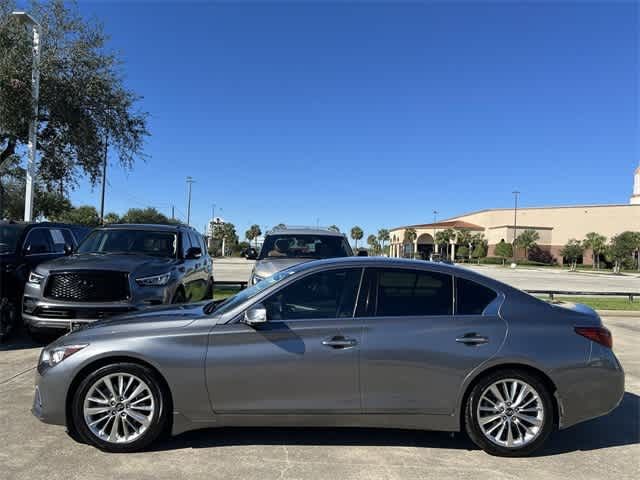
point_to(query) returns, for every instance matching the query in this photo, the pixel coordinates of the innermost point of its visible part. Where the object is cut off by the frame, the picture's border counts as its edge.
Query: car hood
(267, 267)
(149, 321)
(113, 262)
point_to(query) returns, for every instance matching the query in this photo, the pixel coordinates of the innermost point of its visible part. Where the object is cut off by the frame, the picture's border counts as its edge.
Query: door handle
(339, 342)
(472, 339)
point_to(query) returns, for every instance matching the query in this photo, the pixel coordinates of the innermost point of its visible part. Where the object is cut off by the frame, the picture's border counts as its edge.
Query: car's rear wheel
(120, 408)
(509, 413)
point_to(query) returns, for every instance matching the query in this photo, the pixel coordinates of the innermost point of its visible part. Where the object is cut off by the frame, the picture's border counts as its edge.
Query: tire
(8, 319)
(209, 293)
(179, 296)
(140, 420)
(528, 418)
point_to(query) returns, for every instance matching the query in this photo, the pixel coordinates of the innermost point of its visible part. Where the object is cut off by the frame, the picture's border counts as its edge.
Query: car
(358, 342)
(117, 269)
(285, 246)
(22, 247)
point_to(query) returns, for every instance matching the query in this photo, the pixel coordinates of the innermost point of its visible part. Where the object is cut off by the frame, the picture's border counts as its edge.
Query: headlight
(35, 278)
(53, 356)
(154, 281)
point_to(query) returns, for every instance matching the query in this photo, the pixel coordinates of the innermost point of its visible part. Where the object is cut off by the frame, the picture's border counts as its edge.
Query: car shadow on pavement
(620, 427)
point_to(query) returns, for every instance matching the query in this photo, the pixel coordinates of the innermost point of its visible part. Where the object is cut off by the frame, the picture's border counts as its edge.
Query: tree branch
(10, 149)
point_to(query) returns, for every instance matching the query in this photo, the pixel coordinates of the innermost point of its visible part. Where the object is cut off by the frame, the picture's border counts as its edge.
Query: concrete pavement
(608, 447)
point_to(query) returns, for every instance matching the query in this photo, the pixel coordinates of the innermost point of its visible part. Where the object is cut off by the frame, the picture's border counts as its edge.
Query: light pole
(516, 193)
(435, 245)
(190, 182)
(24, 17)
(104, 177)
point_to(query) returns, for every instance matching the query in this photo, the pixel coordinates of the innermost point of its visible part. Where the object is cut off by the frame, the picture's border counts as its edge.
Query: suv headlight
(35, 278)
(53, 356)
(155, 280)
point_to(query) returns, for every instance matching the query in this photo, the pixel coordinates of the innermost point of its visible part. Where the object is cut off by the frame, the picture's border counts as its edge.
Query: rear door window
(405, 292)
(472, 298)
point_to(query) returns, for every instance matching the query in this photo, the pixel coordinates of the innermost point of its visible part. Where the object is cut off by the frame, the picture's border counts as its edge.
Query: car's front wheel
(509, 413)
(120, 408)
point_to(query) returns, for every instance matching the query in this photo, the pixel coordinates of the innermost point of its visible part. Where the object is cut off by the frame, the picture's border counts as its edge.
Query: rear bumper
(598, 391)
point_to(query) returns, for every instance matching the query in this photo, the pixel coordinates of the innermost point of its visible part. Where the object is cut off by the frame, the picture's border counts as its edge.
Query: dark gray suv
(118, 269)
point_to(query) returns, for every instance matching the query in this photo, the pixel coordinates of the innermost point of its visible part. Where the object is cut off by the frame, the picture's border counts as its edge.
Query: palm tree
(444, 238)
(526, 240)
(383, 236)
(597, 243)
(410, 236)
(253, 233)
(372, 241)
(356, 234)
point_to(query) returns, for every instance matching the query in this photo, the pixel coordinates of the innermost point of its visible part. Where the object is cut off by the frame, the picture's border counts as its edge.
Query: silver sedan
(341, 342)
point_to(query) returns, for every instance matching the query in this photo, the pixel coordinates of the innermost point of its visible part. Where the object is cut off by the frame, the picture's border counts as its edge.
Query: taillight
(599, 335)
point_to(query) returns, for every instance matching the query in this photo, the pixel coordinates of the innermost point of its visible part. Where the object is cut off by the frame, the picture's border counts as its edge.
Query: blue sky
(376, 113)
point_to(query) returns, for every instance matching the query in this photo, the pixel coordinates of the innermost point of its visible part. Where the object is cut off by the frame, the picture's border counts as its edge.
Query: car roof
(147, 227)
(305, 231)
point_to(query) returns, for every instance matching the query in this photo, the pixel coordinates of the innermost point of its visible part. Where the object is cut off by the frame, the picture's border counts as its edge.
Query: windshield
(248, 293)
(9, 236)
(304, 246)
(142, 242)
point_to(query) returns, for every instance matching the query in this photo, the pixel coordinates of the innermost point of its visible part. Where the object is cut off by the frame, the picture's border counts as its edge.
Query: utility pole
(173, 212)
(33, 124)
(516, 193)
(104, 176)
(190, 181)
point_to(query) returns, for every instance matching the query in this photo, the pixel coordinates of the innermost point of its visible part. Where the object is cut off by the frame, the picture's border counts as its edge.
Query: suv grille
(88, 286)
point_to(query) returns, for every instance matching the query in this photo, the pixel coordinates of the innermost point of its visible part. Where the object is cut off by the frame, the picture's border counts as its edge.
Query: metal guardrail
(552, 293)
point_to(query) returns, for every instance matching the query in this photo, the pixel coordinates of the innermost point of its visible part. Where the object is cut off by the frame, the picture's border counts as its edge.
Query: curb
(619, 313)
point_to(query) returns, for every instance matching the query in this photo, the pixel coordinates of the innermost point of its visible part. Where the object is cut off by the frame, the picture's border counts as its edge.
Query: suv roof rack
(302, 227)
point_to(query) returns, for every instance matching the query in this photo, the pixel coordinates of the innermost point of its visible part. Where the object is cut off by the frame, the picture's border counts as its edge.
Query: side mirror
(256, 315)
(68, 249)
(193, 253)
(362, 253)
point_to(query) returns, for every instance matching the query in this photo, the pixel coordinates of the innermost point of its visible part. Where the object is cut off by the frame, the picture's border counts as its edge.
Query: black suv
(22, 247)
(118, 269)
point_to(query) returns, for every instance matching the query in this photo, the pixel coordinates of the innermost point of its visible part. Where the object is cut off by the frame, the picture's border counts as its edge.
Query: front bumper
(39, 312)
(50, 396)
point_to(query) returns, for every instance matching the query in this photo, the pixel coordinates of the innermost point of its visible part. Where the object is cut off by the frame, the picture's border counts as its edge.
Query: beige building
(555, 226)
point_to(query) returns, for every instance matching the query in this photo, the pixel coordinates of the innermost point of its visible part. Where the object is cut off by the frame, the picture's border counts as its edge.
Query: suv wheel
(179, 296)
(509, 413)
(119, 408)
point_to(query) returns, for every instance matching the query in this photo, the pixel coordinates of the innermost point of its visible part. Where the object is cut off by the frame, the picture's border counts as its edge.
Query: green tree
(374, 245)
(83, 100)
(357, 234)
(253, 233)
(383, 237)
(597, 243)
(111, 217)
(504, 250)
(573, 250)
(335, 228)
(226, 231)
(147, 215)
(463, 252)
(83, 215)
(410, 236)
(526, 240)
(621, 248)
(444, 238)
(479, 251)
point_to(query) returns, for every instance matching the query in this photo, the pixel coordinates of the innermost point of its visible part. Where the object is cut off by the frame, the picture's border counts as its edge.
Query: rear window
(304, 246)
(472, 298)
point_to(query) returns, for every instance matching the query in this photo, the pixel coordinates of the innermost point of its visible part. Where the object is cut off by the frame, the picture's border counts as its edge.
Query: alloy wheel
(510, 413)
(119, 408)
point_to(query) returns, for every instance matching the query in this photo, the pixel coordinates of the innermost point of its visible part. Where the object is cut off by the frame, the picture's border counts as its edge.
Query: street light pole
(435, 245)
(104, 176)
(33, 124)
(516, 193)
(190, 181)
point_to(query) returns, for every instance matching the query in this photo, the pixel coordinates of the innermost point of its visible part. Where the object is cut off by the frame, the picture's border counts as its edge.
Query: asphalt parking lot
(608, 447)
